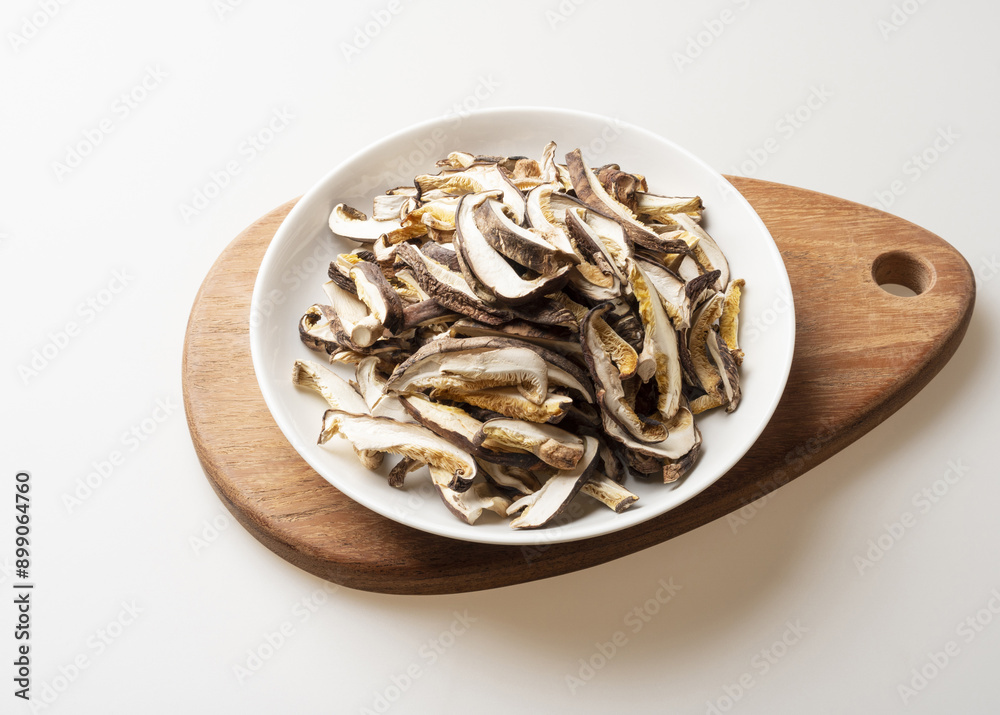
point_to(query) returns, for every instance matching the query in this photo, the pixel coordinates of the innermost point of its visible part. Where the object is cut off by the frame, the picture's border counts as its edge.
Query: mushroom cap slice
(510, 480)
(541, 218)
(660, 341)
(372, 386)
(729, 374)
(554, 446)
(707, 251)
(375, 292)
(539, 365)
(470, 504)
(729, 321)
(509, 402)
(488, 270)
(540, 507)
(410, 440)
(318, 329)
(448, 288)
(591, 192)
(682, 437)
(461, 429)
(662, 208)
(706, 357)
(671, 290)
(338, 392)
(553, 339)
(527, 247)
(610, 392)
(474, 369)
(624, 356)
(351, 223)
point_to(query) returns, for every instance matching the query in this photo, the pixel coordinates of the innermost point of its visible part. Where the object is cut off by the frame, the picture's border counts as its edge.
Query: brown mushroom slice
(509, 402)
(372, 386)
(339, 395)
(729, 321)
(674, 469)
(405, 284)
(338, 392)
(443, 254)
(477, 178)
(620, 184)
(375, 292)
(448, 288)
(682, 437)
(318, 331)
(601, 269)
(624, 356)
(512, 480)
(462, 429)
(488, 270)
(540, 507)
(361, 327)
(660, 341)
(540, 217)
(410, 440)
(705, 366)
(725, 363)
(554, 339)
(427, 312)
(525, 246)
(609, 492)
(472, 368)
(671, 290)
(707, 251)
(554, 446)
(610, 391)
(355, 225)
(591, 192)
(470, 504)
(662, 208)
(612, 237)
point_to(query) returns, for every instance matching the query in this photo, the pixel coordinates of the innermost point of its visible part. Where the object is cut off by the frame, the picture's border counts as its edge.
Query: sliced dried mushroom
(609, 492)
(375, 292)
(362, 328)
(470, 504)
(410, 440)
(610, 391)
(510, 480)
(450, 289)
(509, 402)
(462, 429)
(554, 446)
(729, 321)
(351, 223)
(522, 245)
(454, 364)
(540, 507)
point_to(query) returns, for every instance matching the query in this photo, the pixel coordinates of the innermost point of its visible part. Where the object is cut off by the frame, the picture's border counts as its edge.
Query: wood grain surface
(860, 355)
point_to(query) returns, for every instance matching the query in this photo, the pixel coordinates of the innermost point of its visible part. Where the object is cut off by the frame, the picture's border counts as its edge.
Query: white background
(891, 79)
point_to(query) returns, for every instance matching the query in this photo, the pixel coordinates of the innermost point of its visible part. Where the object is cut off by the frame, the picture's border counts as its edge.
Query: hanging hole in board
(903, 274)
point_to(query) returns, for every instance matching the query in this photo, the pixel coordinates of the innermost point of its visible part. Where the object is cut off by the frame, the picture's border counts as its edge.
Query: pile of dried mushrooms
(527, 330)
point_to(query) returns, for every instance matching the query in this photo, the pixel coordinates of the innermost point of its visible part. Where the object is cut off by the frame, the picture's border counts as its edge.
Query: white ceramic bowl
(294, 268)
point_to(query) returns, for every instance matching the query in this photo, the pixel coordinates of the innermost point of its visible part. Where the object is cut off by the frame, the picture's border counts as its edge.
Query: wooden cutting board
(860, 354)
